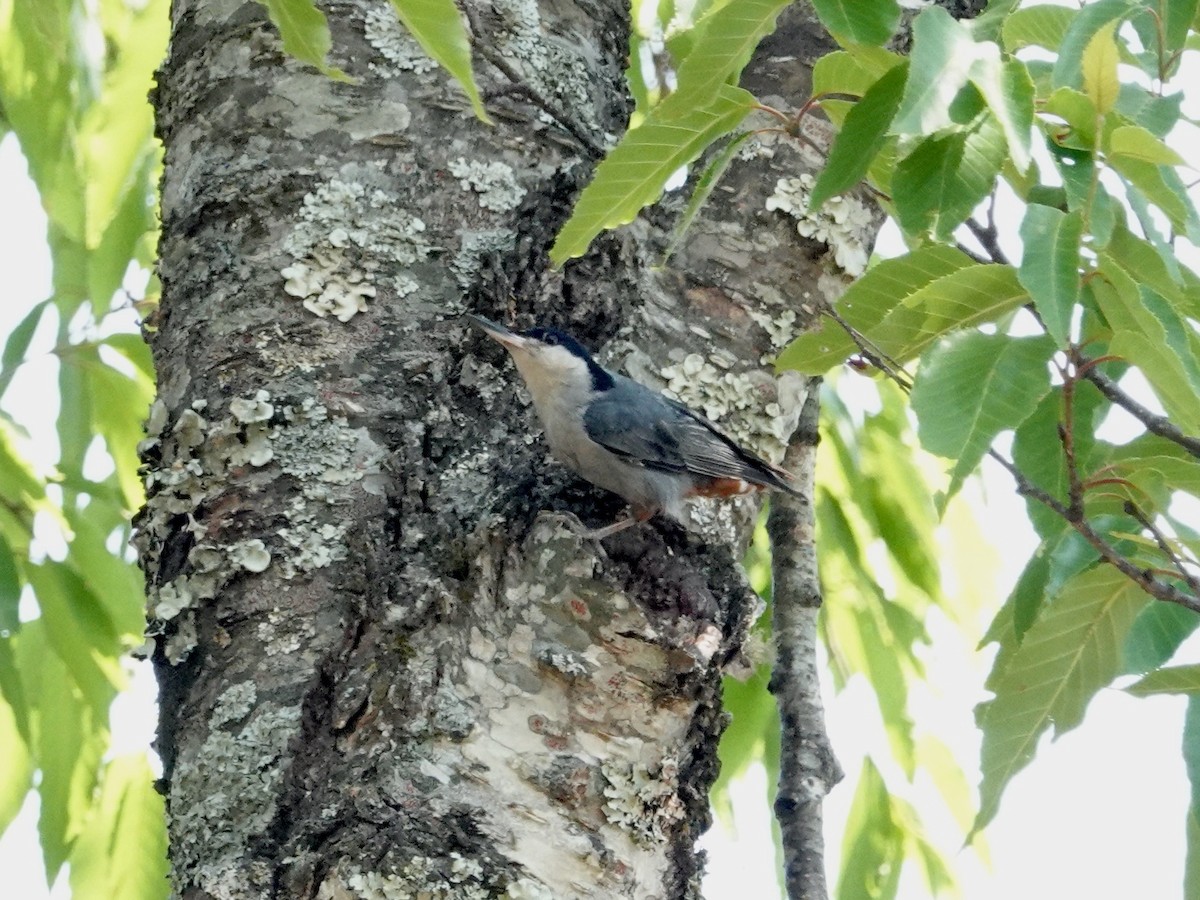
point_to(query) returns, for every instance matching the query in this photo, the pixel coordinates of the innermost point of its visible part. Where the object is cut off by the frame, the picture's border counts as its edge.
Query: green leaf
(1136, 142)
(16, 775)
(80, 632)
(940, 65)
(10, 592)
(1050, 266)
(1071, 652)
(122, 850)
(1009, 93)
(861, 136)
(1099, 66)
(1156, 634)
(1191, 761)
(1153, 335)
(1179, 19)
(1037, 451)
(1078, 111)
(873, 845)
(1037, 26)
(1171, 680)
(438, 28)
(723, 48)
(867, 302)
(939, 184)
(1157, 114)
(852, 71)
(973, 386)
(1068, 68)
(71, 737)
(859, 21)
(17, 344)
(305, 33)
(635, 171)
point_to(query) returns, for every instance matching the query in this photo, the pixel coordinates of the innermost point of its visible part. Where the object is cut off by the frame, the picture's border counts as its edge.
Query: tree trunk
(381, 673)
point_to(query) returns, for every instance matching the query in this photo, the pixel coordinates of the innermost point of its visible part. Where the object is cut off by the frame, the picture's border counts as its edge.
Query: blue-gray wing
(647, 429)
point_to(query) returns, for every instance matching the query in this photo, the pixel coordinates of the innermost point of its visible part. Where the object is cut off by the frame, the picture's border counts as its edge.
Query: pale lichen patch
(493, 182)
(843, 223)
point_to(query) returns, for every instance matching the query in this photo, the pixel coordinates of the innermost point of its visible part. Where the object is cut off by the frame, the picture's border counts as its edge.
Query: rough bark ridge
(382, 676)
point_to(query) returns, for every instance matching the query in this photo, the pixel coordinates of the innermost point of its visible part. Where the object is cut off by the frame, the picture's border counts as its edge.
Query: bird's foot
(577, 528)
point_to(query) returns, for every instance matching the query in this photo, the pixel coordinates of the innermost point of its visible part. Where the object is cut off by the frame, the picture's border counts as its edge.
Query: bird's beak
(509, 339)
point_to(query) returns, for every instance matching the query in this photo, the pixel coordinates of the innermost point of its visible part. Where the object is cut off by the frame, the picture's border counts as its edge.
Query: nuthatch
(624, 437)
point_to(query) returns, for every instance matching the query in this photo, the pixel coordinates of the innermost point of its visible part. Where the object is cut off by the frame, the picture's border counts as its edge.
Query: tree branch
(1154, 423)
(1144, 578)
(808, 768)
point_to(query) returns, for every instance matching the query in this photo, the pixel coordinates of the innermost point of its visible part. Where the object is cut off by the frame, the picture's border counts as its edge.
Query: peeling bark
(382, 674)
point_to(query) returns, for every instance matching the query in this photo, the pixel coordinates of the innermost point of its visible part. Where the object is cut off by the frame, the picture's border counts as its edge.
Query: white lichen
(251, 555)
(383, 31)
(641, 799)
(347, 230)
(473, 247)
(494, 182)
(252, 409)
(843, 223)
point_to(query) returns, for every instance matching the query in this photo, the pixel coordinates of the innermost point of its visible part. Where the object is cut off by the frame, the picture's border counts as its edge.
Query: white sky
(1099, 814)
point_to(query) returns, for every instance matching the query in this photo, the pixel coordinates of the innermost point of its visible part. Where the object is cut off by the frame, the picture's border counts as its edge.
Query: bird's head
(548, 359)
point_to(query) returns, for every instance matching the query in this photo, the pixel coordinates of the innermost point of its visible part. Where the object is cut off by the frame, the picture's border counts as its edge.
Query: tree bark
(381, 673)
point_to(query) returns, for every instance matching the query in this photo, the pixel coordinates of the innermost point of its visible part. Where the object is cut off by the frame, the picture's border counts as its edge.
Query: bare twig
(1154, 423)
(989, 236)
(594, 150)
(1144, 578)
(1181, 568)
(808, 769)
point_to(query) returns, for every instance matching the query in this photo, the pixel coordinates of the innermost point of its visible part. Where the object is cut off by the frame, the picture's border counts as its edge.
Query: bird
(622, 436)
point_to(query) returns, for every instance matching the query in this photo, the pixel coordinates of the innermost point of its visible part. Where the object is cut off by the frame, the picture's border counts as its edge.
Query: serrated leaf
(1171, 680)
(438, 28)
(1050, 266)
(973, 386)
(1071, 652)
(1148, 332)
(1099, 69)
(1068, 68)
(861, 136)
(938, 185)
(1156, 634)
(723, 48)
(1136, 142)
(859, 21)
(1009, 93)
(1037, 26)
(635, 171)
(940, 64)
(852, 71)
(305, 33)
(122, 850)
(867, 302)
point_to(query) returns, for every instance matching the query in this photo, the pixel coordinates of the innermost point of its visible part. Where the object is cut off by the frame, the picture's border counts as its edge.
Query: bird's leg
(598, 534)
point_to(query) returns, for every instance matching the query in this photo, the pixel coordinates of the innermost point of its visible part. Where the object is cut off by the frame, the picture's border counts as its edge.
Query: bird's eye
(552, 339)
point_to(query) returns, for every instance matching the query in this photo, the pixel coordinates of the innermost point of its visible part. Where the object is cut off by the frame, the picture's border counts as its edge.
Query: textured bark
(381, 673)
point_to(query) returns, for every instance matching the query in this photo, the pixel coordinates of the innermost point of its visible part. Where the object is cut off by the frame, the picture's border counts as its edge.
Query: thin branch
(872, 354)
(808, 769)
(1144, 578)
(1181, 569)
(1154, 423)
(594, 150)
(989, 237)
